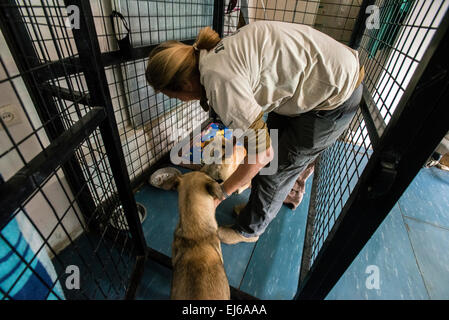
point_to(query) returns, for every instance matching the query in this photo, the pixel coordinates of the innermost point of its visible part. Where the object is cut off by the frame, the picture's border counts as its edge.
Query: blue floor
(410, 250)
(104, 268)
(264, 269)
(409, 253)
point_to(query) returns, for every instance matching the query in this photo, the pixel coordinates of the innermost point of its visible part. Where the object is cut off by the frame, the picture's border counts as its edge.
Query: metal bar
(12, 26)
(308, 238)
(165, 261)
(73, 65)
(373, 114)
(412, 135)
(218, 26)
(66, 94)
(218, 22)
(136, 53)
(19, 187)
(26, 59)
(373, 133)
(57, 69)
(360, 25)
(136, 276)
(86, 41)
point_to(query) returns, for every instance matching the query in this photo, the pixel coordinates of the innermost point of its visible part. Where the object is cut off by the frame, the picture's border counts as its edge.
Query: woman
(307, 82)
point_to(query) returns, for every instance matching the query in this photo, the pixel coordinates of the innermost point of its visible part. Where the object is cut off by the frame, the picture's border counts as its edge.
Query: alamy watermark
(373, 280)
(73, 17)
(373, 21)
(72, 282)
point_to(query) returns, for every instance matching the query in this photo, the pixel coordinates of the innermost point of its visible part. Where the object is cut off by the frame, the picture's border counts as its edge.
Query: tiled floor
(409, 252)
(410, 249)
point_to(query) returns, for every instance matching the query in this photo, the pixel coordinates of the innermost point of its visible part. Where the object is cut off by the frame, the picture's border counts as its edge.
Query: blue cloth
(211, 131)
(17, 280)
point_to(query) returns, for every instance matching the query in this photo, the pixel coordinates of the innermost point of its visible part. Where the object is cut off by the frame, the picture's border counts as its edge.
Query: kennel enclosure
(88, 131)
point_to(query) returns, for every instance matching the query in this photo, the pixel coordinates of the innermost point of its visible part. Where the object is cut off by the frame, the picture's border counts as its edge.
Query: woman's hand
(217, 202)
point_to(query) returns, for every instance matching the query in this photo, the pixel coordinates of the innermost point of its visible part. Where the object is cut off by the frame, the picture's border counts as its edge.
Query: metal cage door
(359, 179)
(76, 113)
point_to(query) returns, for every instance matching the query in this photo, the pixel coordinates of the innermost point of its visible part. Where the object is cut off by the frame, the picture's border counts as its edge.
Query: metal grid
(391, 54)
(149, 123)
(46, 24)
(51, 228)
(151, 22)
(339, 171)
(336, 18)
(162, 121)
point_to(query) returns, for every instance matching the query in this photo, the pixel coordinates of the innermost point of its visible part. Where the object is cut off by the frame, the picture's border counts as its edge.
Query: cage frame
(390, 169)
(384, 179)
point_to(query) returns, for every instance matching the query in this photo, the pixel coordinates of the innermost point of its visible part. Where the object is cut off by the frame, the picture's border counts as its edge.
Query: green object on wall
(392, 15)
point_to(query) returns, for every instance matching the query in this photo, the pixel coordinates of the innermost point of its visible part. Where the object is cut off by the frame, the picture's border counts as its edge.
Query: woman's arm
(246, 171)
(259, 153)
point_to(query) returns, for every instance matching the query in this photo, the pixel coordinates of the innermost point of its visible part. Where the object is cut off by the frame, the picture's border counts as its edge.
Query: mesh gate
(91, 131)
(62, 200)
(391, 55)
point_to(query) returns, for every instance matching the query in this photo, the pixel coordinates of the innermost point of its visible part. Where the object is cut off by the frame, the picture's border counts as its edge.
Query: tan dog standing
(198, 271)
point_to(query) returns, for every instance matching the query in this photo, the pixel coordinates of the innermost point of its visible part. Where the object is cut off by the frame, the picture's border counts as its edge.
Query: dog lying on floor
(198, 271)
(222, 171)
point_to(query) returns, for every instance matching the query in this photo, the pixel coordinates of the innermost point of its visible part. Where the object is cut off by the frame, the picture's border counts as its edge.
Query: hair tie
(195, 47)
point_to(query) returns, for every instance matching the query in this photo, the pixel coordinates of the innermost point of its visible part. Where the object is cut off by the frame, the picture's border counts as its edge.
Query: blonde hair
(172, 63)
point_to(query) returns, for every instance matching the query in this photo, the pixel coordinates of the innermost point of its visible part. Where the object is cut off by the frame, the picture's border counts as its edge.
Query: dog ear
(172, 183)
(214, 189)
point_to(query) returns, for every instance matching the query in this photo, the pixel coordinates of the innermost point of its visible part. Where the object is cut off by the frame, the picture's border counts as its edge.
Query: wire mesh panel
(163, 121)
(391, 54)
(336, 18)
(149, 123)
(339, 171)
(46, 23)
(62, 228)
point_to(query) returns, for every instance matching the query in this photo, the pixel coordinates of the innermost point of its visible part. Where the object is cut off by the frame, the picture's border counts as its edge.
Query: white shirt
(276, 66)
